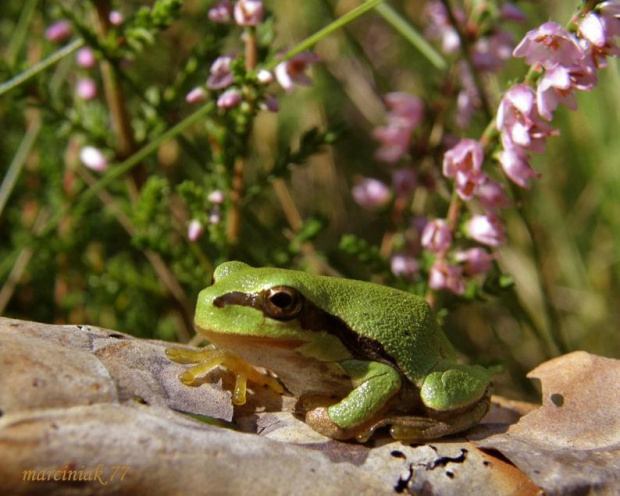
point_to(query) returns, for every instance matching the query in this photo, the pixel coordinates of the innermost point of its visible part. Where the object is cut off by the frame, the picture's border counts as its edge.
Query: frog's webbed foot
(209, 358)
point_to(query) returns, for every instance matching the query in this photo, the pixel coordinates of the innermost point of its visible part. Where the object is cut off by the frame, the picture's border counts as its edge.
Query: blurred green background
(88, 270)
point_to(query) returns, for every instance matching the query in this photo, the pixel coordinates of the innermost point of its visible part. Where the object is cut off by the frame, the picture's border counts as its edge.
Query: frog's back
(400, 323)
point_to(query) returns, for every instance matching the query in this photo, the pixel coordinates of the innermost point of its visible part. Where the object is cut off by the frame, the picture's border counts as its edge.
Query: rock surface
(91, 411)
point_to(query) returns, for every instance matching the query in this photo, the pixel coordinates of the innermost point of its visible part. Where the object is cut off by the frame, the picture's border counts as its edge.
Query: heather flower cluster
(463, 246)
(566, 63)
(489, 48)
(196, 227)
(248, 14)
(405, 113)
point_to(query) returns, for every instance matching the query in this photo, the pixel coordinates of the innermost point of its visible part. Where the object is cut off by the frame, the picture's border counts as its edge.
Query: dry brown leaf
(86, 415)
(571, 444)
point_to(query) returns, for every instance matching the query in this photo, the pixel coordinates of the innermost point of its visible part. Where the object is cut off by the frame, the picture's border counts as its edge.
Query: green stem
(327, 30)
(41, 66)
(10, 178)
(555, 322)
(21, 31)
(412, 35)
(486, 106)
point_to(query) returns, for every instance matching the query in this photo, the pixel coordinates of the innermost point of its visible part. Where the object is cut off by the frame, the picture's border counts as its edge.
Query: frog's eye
(282, 302)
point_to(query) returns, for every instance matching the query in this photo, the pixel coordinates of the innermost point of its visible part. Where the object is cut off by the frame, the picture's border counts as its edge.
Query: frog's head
(266, 307)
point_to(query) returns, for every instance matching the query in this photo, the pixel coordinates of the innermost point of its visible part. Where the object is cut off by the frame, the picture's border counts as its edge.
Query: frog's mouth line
(229, 340)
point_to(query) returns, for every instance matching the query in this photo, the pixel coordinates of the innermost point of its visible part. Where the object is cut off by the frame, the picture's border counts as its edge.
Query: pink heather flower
(230, 98)
(468, 99)
(519, 122)
(371, 193)
(466, 104)
(221, 12)
(404, 182)
(492, 195)
(490, 52)
(395, 141)
(486, 229)
(215, 217)
(463, 162)
(264, 76)
(516, 165)
(216, 196)
(445, 276)
(610, 16)
(85, 58)
(270, 103)
(194, 230)
(196, 95)
(440, 28)
(406, 112)
(418, 223)
(549, 45)
(404, 265)
(92, 158)
(598, 32)
(475, 260)
(248, 12)
(59, 31)
(555, 87)
(510, 12)
(407, 107)
(86, 89)
(116, 18)
(293, 70)
(221, 76)
(437, 237)
(591, 28)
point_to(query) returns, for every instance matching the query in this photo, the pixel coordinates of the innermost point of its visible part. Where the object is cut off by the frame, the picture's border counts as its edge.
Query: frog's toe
(183, 355)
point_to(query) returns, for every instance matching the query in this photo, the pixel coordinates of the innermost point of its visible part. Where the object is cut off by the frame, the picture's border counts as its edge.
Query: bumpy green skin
(401, 322)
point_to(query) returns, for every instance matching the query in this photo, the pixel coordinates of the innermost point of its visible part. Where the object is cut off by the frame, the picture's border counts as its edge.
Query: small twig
(465, 46)
(251, 49)
(116, 99)
(233, 225)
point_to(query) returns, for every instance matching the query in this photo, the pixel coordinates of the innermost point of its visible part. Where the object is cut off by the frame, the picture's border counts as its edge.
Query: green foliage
(149, 21)
(274, 188)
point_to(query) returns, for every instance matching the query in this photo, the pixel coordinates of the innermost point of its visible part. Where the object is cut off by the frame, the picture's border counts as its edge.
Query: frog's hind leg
(437, 424)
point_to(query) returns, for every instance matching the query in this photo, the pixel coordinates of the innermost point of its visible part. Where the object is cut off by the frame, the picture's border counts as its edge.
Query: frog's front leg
(374, 384)
(209, 358)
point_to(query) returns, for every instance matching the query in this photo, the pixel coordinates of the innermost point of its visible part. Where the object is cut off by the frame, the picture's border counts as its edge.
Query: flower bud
(85, 58)
(92, 158)
(59, 31)
(194, 230)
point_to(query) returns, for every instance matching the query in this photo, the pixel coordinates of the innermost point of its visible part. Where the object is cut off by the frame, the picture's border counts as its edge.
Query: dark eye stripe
(237, 298)
(313, 318)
